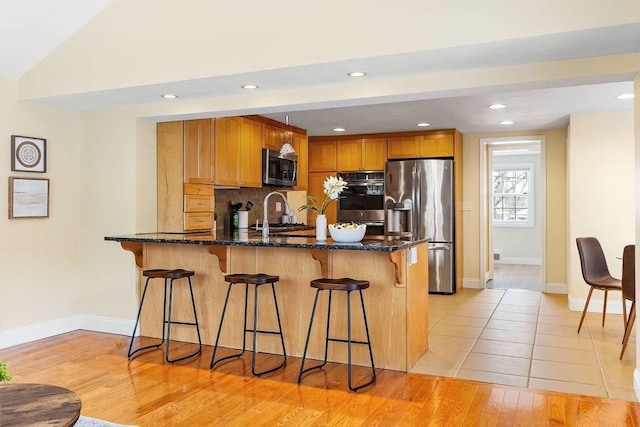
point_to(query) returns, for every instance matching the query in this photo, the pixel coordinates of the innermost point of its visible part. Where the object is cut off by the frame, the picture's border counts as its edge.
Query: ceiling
(530, 106)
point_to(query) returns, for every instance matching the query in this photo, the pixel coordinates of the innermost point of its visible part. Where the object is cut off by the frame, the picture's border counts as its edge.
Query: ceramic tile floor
(527, 339)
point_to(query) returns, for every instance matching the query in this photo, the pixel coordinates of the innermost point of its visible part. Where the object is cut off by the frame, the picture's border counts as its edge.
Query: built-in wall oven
(363, 200)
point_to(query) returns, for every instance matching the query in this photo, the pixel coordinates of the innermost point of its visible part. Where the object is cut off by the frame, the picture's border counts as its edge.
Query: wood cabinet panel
(249, 168)
(402, 147)
(438, 145)
(374, 154)
(272, 137)
(300, 144)
(349, 155)
(198, 151)
(227, 149)
(198, 221)
(198, 203)
(322, 156)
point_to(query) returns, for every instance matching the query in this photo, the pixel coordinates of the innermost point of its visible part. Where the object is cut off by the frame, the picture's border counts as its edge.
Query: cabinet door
(227, 147)
(349, 155)
(169, 176)
(322, 156)
(316, 189)
(402, 147)
(374, 154)
(272, 137)
(198, 151)
(437, 145)
(250, 160)
(301, 147)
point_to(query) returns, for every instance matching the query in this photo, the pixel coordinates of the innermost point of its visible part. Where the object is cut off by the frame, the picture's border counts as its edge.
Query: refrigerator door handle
(439, 248)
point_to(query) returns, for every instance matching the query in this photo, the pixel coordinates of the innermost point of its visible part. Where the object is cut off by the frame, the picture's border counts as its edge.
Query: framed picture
(28, 154)
(28, 198)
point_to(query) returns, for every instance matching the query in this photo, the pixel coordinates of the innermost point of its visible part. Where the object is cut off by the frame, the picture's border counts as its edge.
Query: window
(513, 195)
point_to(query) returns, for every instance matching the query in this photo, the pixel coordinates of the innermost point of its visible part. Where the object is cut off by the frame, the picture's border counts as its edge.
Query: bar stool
(345, 285)
(257, 280)
(167, 321)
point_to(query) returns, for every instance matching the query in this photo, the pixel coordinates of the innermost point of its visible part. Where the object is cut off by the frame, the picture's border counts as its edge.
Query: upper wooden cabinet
(272, 136)
(227, 149)
(238, 149)
(300, 144)
(366, 154)
(250, 160)
(433, 144)
(322, 156)
(198, 151)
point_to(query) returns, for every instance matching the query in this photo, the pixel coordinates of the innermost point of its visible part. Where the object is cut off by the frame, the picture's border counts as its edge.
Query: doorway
(513, 226)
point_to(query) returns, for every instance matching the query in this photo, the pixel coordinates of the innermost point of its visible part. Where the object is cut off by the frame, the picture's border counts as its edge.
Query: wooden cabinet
(198, 151)
(322, 156)
(184, 173)
(238, 148)
(300, 144)
(249, 168)
(272, 136)
(366, 154)
(316, 189)
(435, 144)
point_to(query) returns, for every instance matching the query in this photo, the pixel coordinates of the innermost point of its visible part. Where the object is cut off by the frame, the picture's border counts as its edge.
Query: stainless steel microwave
(279, 169)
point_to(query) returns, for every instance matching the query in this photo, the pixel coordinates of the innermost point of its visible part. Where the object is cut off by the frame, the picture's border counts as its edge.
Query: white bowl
(347, 235)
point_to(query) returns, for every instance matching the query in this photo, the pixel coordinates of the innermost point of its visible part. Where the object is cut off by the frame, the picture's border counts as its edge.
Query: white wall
(521, 245)
(601, 193)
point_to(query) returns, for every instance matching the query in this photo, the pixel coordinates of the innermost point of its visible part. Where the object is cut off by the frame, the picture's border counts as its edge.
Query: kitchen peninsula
(396, 301)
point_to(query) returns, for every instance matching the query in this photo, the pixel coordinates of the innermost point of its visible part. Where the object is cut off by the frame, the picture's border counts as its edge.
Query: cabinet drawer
(198, 221)
(198, 203)
(198, 189)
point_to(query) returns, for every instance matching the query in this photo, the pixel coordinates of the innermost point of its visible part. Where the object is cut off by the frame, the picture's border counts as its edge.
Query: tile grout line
(535, 338)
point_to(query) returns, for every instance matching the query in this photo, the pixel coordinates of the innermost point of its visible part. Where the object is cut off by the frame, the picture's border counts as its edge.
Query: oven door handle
(365, 184)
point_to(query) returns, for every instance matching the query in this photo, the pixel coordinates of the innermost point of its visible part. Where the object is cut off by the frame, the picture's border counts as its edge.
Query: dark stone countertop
(299, 240)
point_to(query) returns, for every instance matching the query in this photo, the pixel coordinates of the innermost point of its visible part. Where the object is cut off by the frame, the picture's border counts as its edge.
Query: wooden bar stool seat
(167, 320)
(256, 280)
(347, 285)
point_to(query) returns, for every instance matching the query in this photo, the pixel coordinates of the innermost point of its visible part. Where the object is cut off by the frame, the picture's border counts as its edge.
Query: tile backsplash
(224, 198)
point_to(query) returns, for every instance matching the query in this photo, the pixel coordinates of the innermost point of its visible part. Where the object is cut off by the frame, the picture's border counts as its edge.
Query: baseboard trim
(524, 261)
(595, 305)
(636, 383)
(557, 288)
(51, 328)
(472, 283)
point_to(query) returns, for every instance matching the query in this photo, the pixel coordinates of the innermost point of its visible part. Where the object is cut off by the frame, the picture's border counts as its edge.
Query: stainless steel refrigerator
(419, 202)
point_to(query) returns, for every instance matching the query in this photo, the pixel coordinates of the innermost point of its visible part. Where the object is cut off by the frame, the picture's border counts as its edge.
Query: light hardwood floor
(149, 392)
(515, 276)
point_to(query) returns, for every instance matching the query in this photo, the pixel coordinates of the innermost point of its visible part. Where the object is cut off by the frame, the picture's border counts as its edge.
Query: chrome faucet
(265, 221)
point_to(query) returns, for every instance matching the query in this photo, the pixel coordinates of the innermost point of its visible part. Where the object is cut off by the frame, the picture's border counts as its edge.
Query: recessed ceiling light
(357, 74)
(169, 96)
(625, 96)
(496, 106)
(339, 129)
(506, 122)
(249, 86)
(423, 124)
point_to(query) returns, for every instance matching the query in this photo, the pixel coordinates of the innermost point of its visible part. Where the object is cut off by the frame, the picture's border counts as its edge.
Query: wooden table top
(37, 404)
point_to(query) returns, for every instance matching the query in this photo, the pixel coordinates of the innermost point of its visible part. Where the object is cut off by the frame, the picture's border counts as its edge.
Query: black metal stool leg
(306, 343)
(366, 328)
(130, 353)
(257, 331)
(170, 321)
(215, 347)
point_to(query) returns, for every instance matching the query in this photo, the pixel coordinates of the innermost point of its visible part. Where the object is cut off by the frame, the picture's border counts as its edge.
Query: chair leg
(604, 308)
(170, 322)
(584, 311)
(257, 331)
(624, 312)
(628, 327)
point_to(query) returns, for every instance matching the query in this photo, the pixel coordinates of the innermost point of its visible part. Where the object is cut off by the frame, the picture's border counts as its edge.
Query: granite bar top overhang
(250, 238)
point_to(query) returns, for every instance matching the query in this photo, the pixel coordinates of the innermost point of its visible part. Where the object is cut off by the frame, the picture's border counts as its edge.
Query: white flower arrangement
(332, 188)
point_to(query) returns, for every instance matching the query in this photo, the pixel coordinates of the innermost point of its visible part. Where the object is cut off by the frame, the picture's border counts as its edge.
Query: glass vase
(321, 228)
